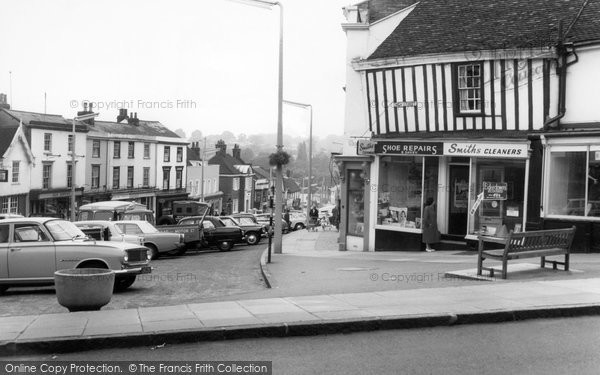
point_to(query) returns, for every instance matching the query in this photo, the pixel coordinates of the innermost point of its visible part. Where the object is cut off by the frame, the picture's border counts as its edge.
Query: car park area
(196, 276)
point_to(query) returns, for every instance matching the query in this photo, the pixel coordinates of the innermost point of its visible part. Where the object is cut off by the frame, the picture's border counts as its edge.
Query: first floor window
(47, 176)
(166, 178)
(117, 150)
(95, 176)
(70, 143)
(178, 178)
(167, 154)
(116, 177)
(131, 150)
(146, 150)
(15, 171)
(129, 177)
(235, 207)
(470, 88)
(236, 184)
(179, 154)
(146, 177)
(69, 175)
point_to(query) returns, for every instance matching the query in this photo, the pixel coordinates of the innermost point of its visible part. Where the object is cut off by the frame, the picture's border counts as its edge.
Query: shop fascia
(461, 149)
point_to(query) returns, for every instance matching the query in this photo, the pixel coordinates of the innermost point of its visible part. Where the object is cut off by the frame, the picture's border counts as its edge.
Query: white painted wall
(16, 152)
(583, 87)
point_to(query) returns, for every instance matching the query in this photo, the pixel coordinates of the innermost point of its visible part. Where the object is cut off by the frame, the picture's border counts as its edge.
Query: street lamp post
(279, 170)
(309, 197)
(73, 172)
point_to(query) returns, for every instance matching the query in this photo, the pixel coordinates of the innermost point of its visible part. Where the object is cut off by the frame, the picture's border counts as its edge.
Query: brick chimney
(195, 147)
(86, 111)
(133, 119)
(3, 103)
(237, 152)
(122, 115)
(221, 146)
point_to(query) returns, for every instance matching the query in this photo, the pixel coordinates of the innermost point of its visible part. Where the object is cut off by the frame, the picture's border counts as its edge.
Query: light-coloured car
(9, 216)
(297, 220)
(33, 248)
(157, 242)
(104, 230)
(264, 220)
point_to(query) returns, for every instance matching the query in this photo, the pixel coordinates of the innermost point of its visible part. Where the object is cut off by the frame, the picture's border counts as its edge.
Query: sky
(193, 65)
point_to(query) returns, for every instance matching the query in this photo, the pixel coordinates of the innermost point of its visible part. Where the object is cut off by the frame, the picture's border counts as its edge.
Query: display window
(497, 202)
(404, 183)
(356, 203)
(573, 182)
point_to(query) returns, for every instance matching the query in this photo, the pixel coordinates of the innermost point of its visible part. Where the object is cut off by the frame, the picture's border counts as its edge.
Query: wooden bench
(540, 243)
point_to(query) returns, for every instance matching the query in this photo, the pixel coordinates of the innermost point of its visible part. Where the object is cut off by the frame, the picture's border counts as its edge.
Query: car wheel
(252, 238)
(122, 283)
(225, 245)
(299, 226)
(153, 251)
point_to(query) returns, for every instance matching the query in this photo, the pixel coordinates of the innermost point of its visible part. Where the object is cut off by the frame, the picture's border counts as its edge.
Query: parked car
(298, 220)
(215, 232)
(264, 219)
(252, 232)
(103, 230)
(157, 242)
(32, 249)
(115, 210)
(9, 216)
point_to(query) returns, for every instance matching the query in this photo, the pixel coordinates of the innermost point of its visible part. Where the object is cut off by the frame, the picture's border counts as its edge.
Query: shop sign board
(494, 190)
(365, 147)
(409, 148)
(503, 150)
(3, 175)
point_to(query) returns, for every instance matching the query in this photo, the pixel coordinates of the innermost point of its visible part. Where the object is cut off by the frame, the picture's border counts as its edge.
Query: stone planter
(84, 289)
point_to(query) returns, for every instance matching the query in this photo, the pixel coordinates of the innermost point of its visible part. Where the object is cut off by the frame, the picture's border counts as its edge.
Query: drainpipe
(563, 53)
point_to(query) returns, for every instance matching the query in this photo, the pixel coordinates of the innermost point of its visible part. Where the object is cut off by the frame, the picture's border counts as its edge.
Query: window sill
(396, 228)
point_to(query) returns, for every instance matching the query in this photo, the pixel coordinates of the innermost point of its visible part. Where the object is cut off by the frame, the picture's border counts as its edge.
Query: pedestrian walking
(313, 218)
(430, 230)
(335, 217)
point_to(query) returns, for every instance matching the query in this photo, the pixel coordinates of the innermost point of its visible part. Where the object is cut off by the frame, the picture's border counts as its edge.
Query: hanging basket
(279, 158)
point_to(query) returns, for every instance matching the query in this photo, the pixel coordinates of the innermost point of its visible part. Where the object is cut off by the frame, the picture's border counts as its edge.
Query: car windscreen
(62, 230)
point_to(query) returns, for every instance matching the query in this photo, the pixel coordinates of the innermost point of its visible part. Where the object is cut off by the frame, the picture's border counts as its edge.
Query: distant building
(203, 179)
(135, 160)
(16, 162)
(236, 179)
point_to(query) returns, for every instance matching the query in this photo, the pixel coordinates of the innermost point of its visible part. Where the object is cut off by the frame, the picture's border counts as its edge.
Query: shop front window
(356, 203)
(501, 186)
(402, 182)
(575, 183)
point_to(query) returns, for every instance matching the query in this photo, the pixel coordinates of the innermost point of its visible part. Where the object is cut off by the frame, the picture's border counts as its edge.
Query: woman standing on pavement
(430, 229)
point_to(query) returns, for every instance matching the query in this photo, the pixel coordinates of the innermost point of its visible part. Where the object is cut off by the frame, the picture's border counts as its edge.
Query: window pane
(593, 207)
(567, 190)
(400, 191)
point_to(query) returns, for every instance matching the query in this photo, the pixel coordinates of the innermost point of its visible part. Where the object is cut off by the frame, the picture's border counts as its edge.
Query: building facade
(236, 179)
(480, 119)
(203, 180)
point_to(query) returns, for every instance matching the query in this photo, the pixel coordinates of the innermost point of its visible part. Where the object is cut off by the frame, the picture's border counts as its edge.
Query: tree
(196, 136)
(302, 154)
(180, 133)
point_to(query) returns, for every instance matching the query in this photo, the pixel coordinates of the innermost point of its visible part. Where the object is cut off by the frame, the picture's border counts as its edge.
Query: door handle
(15, 249)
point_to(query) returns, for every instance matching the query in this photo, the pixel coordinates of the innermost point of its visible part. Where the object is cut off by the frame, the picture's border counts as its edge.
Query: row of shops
(481, 186)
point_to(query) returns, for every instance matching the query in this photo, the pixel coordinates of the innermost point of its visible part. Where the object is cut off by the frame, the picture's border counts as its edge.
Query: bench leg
(543, 262)
(479, 265)
(504, 265)
(566, 262)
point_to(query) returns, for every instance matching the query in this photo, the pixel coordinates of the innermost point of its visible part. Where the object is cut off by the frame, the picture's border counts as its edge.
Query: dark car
(215, 232)
(252, 232)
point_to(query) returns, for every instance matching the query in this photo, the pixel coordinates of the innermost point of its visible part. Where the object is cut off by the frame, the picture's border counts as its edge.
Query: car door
(4, 241)
(209, 231)
(31, 253)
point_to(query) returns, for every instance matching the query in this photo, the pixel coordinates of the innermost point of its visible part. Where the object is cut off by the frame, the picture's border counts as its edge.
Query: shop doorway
(458, 200)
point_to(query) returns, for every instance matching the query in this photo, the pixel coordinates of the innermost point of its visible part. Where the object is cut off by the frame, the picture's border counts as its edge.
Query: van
(115, 211)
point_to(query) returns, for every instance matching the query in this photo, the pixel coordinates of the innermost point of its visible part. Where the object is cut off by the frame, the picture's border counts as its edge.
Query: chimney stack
(196, 148)
(122, 115)
(237, 152)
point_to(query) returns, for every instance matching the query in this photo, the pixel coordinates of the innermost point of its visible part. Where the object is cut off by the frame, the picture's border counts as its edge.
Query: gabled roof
(228, 165)
(290, 185)
(8, 129)
(261, 172)
(452, 26)
(33, 118)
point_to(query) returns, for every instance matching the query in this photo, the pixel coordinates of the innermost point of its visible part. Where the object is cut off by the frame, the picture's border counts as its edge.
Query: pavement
(317, 289)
